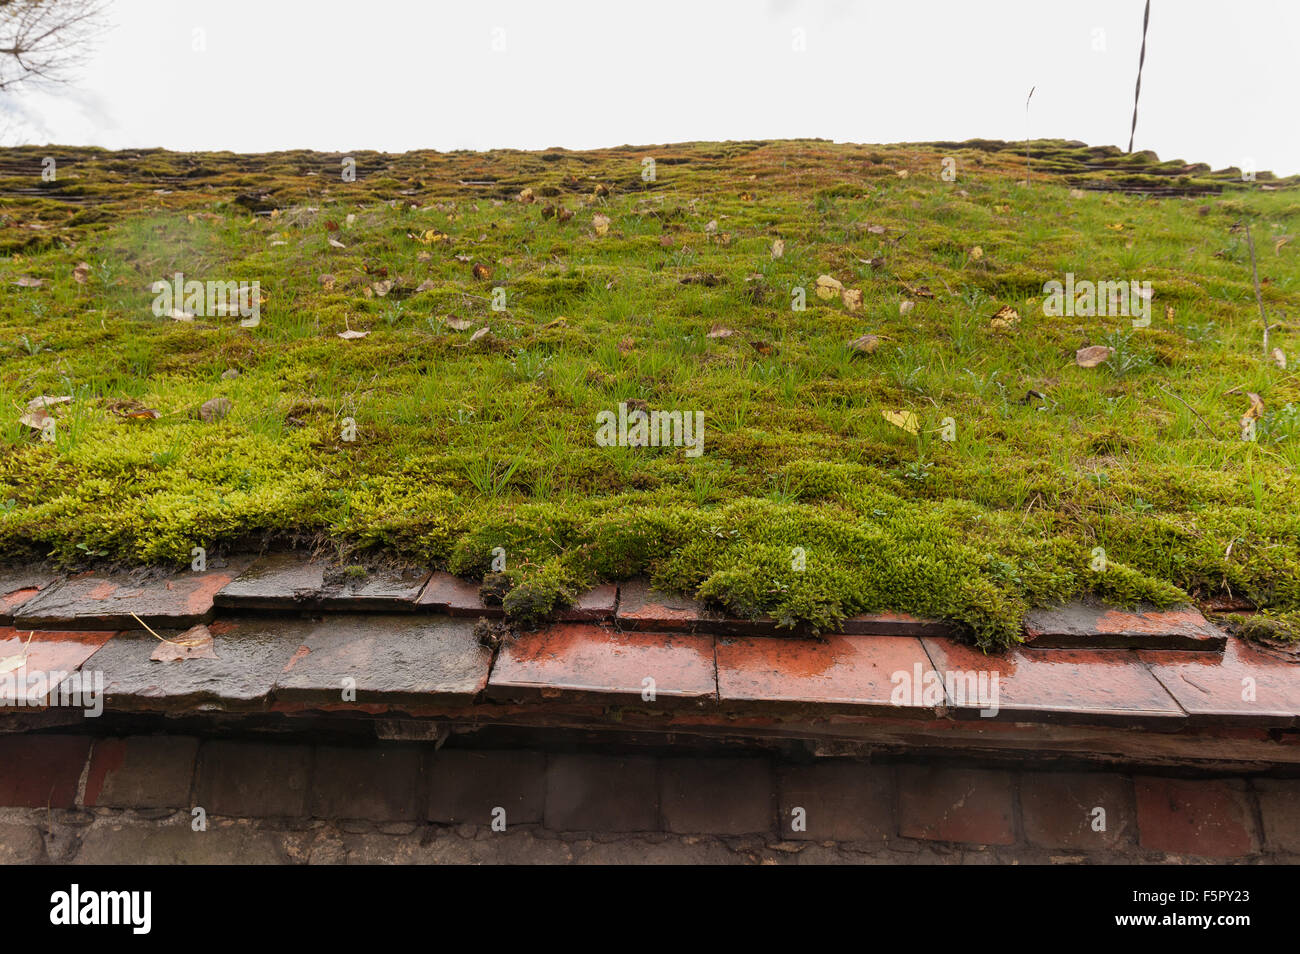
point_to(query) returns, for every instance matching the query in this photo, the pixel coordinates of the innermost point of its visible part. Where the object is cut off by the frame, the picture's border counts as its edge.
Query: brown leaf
(720, 331)
(459, 324)
(194, 643)
(81, 273)
(480, 334)
(26, 281)
(336, 243)
(427, 285)
(905, 306)
(1256, 409)
(47, 401)
(481, 271)
(526, 196)
(352, 334)
(778, 248)
(600, 223)
(1092, 356)
(382, 288)
(852, 298)
(1279, 358)
(762, 347)
(563, 214)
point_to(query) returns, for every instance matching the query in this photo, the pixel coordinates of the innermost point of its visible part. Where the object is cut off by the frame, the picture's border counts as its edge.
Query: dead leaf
(1256, 409)
(877, 229)
(215, 409)
(852, 298)
(17, 661)
(1277, 246)
(382, 288)
(563, 214)
(26, 281)
(711, 227)
(560, 322)
(194, 643)
(600, 223)
(336, 243)
(352, 334)
(665, 241)
(762, 347)
(427, 285)
(47, 401)
(903, 173)
(526, 196)
(1169, 312)
(976, 253)
(828, 287)
(719, 331)
(1092, 356)
(459, 324)
(481, 333)
(81, 272)
(1279, 358)
(865, 344)
(37, 419)
(481, 271)
(778, 248)
(904, 419)
(905, 306)
(1005, 317)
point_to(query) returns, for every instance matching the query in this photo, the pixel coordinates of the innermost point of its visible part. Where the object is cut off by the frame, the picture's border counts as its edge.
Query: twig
(1137, 90)
(1027, 99)
(1259, 299)
(1192, 409)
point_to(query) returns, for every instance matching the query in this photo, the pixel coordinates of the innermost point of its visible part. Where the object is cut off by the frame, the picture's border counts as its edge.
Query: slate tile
(390, 657)
(51, 656)
(449, 594)
(379, 591)
(106, 602)
(1103, 687)
(1245, 686)
(247, 657)
(277, 581)
(596, 604)
(837, 672)
(1089, 624)
(579, 660)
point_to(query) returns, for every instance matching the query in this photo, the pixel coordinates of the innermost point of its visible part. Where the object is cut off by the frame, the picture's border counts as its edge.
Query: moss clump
(1269, 627)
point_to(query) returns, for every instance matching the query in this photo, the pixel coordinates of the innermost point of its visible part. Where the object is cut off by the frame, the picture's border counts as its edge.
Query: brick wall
(73, 798)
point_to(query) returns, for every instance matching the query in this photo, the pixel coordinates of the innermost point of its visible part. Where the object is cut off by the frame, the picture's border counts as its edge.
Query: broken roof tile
(92, 601)
(277, 581)
(50, 657)
(1088, 624)
(379, 591)
(1245, 686)
(449, 594)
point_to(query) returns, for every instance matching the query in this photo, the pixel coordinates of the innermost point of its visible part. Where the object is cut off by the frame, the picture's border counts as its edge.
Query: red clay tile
(938, 803)
(51, 657)
(95, 602)
(141, 771)
(836, 800)
(1092, 625)
(576, 660)
(644, 608)
(41, 771)
(596, 604)
(835, 672)
(387, 657)
(277, 581)
(449, 594)
(1208, 818)
(1104, 687)
(1245, 686)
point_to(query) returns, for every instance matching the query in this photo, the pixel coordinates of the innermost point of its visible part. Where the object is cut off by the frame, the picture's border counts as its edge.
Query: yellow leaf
(904, 419)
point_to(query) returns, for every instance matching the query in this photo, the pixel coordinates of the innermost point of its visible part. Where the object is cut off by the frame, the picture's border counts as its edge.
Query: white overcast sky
(1220, 83)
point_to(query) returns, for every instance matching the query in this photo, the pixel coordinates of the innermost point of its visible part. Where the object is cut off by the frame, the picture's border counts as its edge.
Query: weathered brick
(41, 771)
(716, 796)
(253, 779)
(840, 801)
(601, 793)
(973, 806)
(142, 771)
(1209, 818)
(1093, 625)
(467, 786)
(1279, 806)
(376, 783)
(1058, 810)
